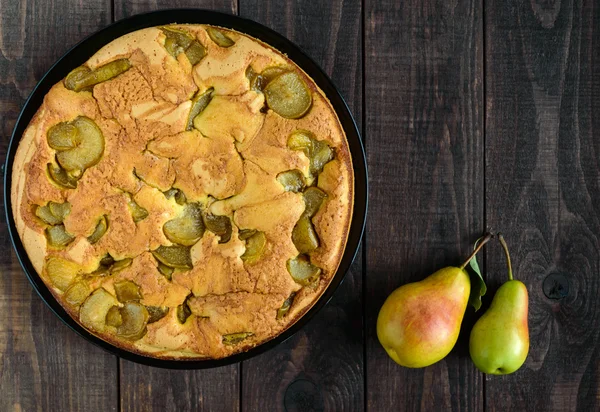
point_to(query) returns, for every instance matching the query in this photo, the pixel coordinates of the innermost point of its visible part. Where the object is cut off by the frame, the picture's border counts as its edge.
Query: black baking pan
(81, 53)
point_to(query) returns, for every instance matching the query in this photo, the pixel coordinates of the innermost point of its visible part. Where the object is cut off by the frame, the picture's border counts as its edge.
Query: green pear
(419, 322)
(499, 341)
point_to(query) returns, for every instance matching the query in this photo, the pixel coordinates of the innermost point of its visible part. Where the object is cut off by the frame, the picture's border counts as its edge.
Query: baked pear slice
(292, 180)
(93, 311)
(302, 271)
(99, 231)
(186, 229)
(288, 95)
(220, 38)
(60, 177)
(255, 246)
(58, 237)
(304, 235)
(127, 291)
(61, 272)
(87, 150)
(175, 256)
(134, 317)
(219, 225)
(234, 338)
(156, 313)
(82, 78)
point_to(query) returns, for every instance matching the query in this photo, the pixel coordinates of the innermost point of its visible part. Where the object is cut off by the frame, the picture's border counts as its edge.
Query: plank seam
(364, 239)
(485, 222)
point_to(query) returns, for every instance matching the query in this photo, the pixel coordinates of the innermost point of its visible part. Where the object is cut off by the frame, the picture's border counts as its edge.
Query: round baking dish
(81, 53)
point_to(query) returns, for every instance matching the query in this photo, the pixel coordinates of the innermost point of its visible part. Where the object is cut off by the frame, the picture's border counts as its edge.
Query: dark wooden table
(475, 114)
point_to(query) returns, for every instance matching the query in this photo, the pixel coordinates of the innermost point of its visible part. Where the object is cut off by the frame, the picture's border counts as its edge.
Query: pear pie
(186, 193)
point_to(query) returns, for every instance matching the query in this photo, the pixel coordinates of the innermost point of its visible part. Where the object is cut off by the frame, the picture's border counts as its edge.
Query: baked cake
(187, 193)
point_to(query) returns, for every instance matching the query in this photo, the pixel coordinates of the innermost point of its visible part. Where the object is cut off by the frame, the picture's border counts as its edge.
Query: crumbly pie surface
(187, 193)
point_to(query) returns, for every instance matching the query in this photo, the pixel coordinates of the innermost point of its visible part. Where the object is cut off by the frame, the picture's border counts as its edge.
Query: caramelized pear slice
(304, 236)
(199, 103)
(255, 245)
(111, 70)
(178, 194)
(127, 291)
(135, 318)
(61, 272)
(183, 312)
(93, 311)
(178, 41)
(288, 95)
(301, 140)
(77, 77)
(246, 234)
(113, 317)
(99, 231)
(120, 265)
(89, 149)
(61, 178)
(165, 270)
(62, 136)
(292, 180)
(80, 79)
(138, 213)
(285, 307)
(220, 38)
(219, 225)
(156, 313)
(258, 81)
(302, 271)
(270, 73)
(60, 210)
(104, 267)
(195, 52)
(44, 213)
(313, 199)
(321, 154)
(254, 79)
(108, 265)
(187, 229)
(77, 293)
(234, 338)
(58, 237)
(175, 256)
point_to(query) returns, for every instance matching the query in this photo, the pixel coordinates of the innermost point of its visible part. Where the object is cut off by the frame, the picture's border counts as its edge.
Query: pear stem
(488, 236)
(505, 247)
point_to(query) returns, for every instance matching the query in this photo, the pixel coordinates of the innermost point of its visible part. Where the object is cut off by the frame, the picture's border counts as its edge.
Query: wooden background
(475, 114)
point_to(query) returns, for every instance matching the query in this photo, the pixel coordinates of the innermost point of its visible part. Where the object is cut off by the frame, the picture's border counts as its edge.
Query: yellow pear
(419, 322)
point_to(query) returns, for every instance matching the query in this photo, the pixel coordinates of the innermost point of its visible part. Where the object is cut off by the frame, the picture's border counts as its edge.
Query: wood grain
(144, 388)
(321, 367)
(424, 125)
(44, 366)
(543, 192)
(125, 8)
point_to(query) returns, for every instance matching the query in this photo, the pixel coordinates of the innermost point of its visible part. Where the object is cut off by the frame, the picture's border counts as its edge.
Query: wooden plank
(423, 74)
(44, 366)
(149, 389)
(125, 8)
(543, 192)
(321, 367)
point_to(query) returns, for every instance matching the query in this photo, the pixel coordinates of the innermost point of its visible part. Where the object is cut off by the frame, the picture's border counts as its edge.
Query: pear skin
(419, 322)
(499, 341)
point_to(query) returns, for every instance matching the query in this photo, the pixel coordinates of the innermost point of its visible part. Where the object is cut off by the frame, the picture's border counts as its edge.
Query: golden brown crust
(228, 162)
